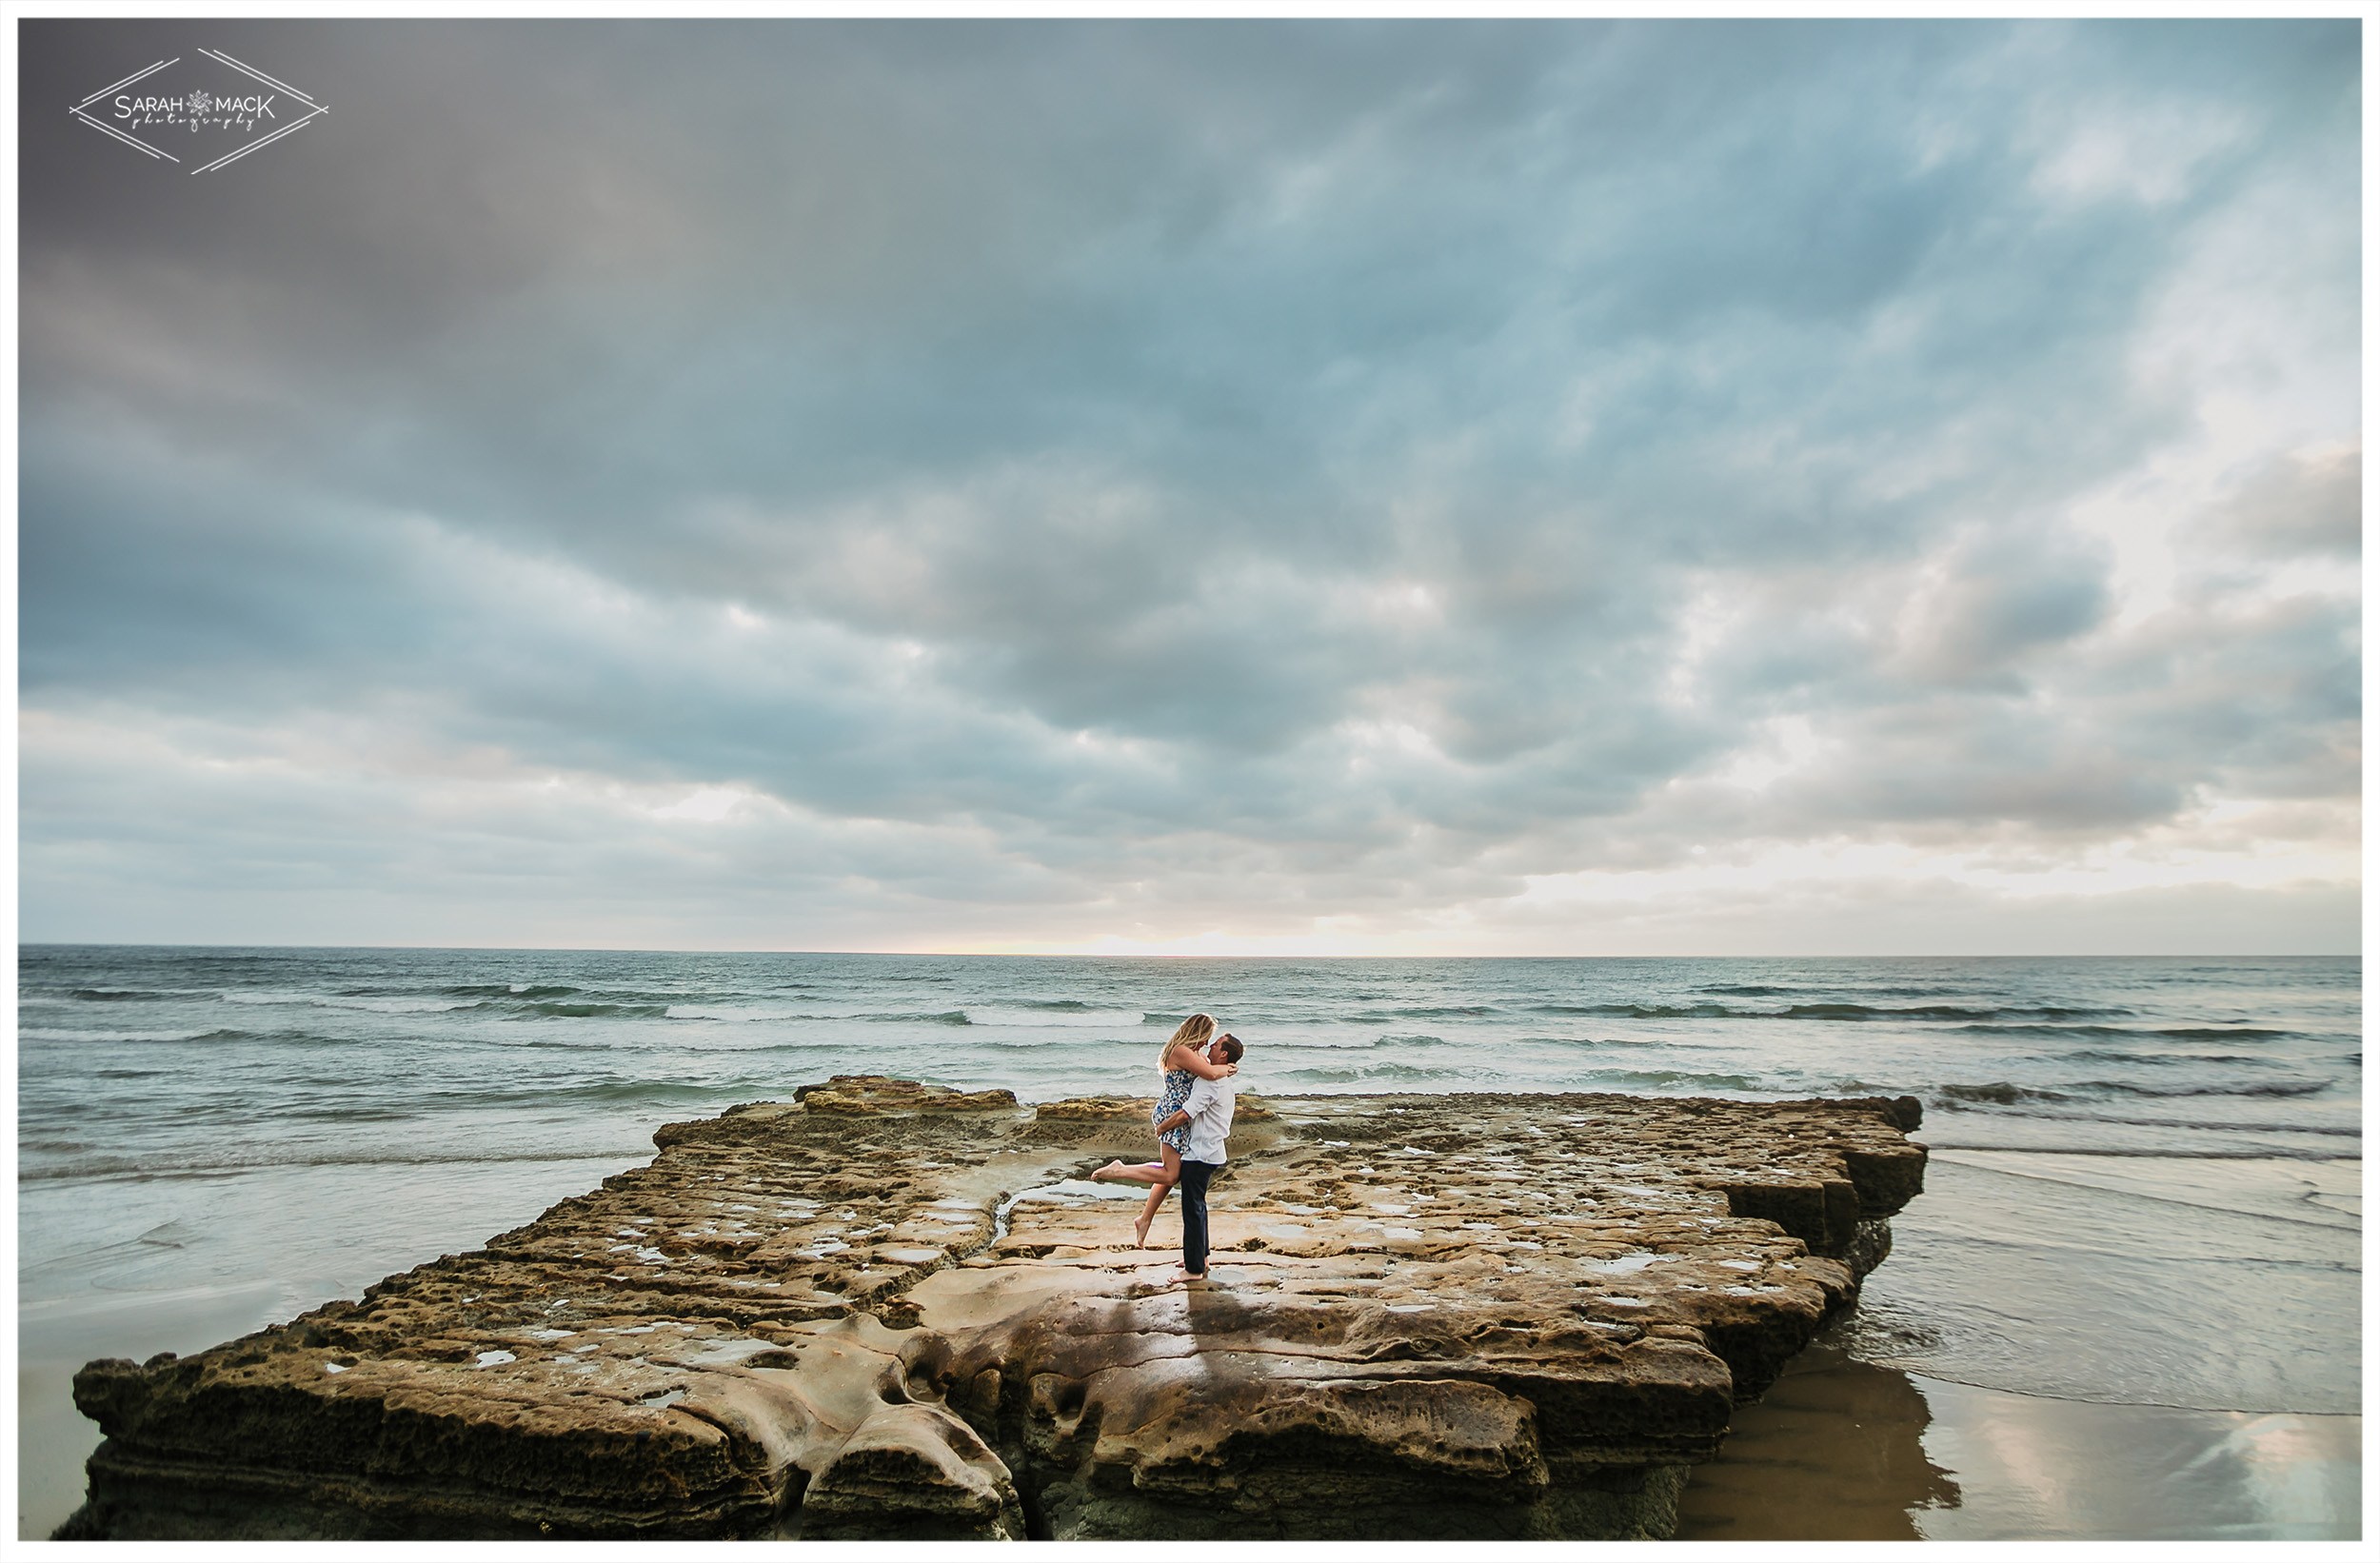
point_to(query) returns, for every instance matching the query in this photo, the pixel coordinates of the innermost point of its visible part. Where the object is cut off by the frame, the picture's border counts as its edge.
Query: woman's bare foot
(1107, 1174)
(1141, 1228)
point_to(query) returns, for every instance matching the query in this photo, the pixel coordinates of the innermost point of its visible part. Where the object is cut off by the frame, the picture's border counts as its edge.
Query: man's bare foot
(1140, 1230)
(1107, 1174)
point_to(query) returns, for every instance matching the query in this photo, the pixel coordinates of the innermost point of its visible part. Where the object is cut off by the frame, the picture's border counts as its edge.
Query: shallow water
(2145, 1190)
(1842, 1449)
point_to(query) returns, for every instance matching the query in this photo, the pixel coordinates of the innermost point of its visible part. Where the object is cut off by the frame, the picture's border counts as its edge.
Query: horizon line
(1110, 955)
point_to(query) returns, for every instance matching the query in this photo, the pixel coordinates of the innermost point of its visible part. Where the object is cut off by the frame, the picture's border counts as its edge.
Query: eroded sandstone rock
(891, 1310)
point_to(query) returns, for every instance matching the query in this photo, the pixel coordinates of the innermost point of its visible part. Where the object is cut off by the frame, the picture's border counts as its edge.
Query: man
(1208, 1113)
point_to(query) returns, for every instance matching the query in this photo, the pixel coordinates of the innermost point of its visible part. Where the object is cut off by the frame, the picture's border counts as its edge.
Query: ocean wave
(612, 1089)
(1862, 999)
(557, 1009)
(1935, 991)
(1025, 1043)
(218, 1036)
(1011, 1016)
(683, 1012)
(2070, 1012)
(1647, 1012)
(287, 1035)
(2104, 1055)
(1374, 1043)
(2000, 1092)
(2277, 1088)
(2004, 1093)
(1938, 1011)
(1674, 1076)
(169, 1167)
(622, 992)
(2198, 1034)
(1829, 1010)
(506, 990)
(2178, 1033)
(395, 1005)
(53, 1034)
(127, 996)
(732, 1043)
(1435, 1012)
(1392, 1071)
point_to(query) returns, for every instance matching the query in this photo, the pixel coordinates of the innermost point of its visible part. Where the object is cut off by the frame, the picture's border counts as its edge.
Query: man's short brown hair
(1231, 1047)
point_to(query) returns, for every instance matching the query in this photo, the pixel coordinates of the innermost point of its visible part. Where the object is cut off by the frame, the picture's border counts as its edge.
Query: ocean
(2145, 1190)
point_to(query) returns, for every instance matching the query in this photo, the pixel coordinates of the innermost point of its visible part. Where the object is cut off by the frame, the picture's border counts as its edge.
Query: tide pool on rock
(889, 1310)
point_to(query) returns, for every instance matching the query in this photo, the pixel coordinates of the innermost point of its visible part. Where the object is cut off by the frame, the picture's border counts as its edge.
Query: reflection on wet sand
(2034, 1467)
(1834, 1451)
(1844, 1450)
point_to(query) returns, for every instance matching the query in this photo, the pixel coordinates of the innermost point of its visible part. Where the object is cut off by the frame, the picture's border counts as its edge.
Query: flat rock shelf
(891, 1310)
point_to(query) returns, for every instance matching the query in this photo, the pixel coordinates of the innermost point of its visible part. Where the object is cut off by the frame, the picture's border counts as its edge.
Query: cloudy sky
(1553, 488)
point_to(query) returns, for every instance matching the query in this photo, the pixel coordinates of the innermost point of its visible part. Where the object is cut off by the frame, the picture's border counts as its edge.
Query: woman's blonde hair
(1194, 1030)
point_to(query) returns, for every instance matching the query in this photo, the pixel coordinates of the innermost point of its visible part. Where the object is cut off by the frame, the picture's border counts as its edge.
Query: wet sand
(1842, 1450)
(2090, 1293)
(179, 1265)
(55, 1336)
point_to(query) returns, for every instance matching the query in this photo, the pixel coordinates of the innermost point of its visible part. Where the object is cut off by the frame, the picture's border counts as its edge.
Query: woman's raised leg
(1158, 1189)
(1132, 1172)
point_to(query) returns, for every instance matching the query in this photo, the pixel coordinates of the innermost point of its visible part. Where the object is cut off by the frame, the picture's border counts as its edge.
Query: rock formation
(889, 1310)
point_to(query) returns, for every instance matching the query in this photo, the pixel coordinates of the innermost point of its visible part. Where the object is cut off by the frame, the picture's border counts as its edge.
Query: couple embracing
(1193, 1120)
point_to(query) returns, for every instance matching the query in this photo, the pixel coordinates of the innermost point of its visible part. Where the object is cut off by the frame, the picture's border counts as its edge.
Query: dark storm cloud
(1369, 463)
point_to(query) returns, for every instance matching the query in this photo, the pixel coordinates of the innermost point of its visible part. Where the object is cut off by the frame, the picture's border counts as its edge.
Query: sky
(1549, 488)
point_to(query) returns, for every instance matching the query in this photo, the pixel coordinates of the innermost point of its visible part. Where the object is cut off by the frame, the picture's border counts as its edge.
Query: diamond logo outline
(314, 109)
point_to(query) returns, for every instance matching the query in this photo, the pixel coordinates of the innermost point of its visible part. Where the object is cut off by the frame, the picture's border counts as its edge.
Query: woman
(1183, 1062)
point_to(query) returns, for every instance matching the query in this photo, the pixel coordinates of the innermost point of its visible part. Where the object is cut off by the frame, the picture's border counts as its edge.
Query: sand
(1843, 1450)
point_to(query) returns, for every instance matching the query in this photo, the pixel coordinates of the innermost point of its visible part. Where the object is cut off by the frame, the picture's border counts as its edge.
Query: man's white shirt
(1209, 1107)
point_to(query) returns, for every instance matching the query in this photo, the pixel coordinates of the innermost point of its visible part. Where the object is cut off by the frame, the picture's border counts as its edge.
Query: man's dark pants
(1195, 1176)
